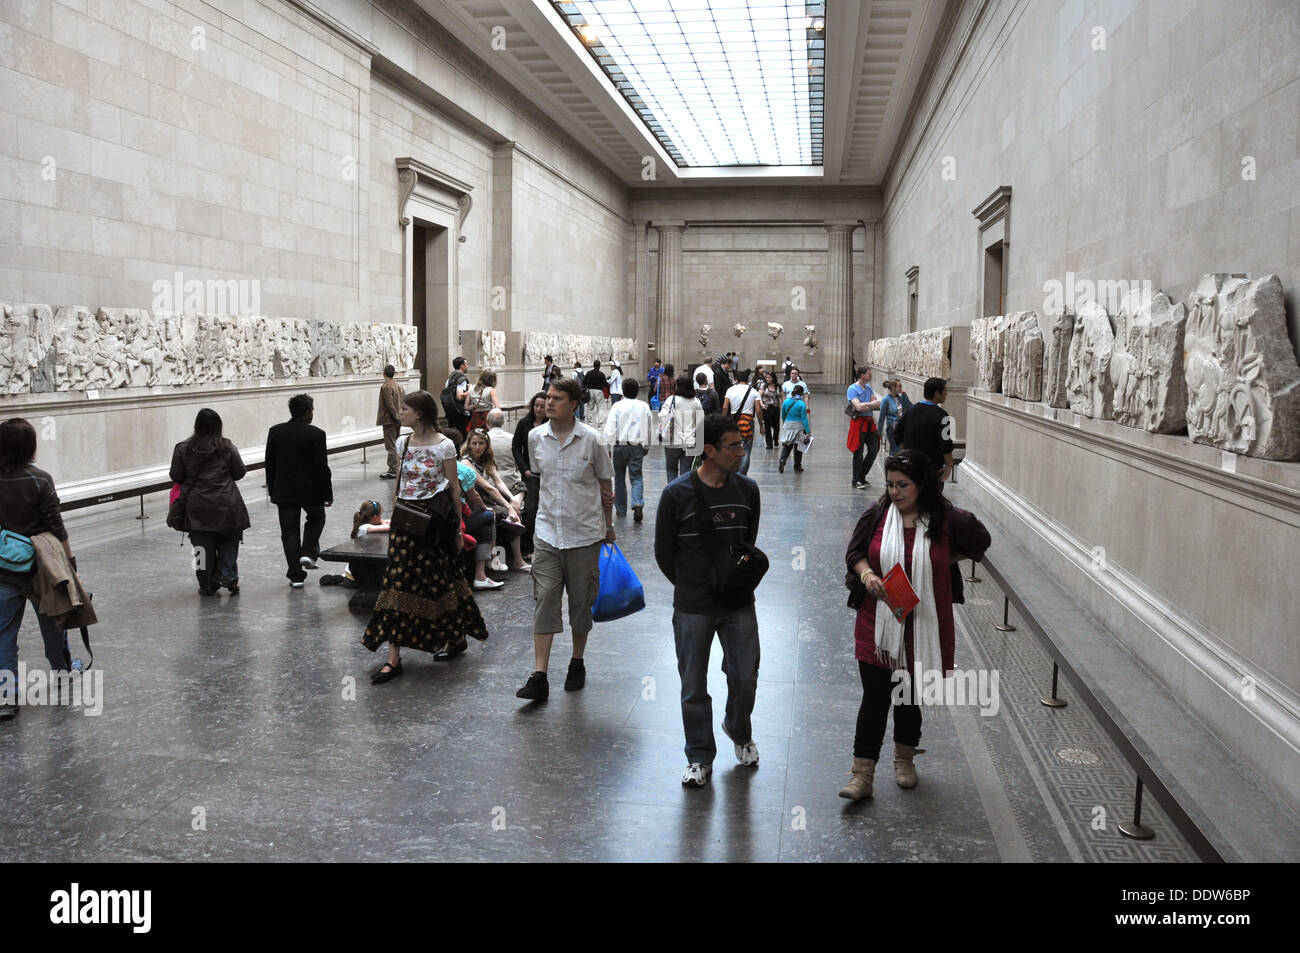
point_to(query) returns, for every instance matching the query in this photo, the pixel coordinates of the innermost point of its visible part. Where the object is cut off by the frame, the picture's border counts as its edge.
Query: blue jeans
(749, 449)
(216, 558)
(12, 606)
(627, 463)
(693, 634)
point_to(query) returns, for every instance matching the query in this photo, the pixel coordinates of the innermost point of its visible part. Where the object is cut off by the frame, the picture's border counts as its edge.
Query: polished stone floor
(230, 730)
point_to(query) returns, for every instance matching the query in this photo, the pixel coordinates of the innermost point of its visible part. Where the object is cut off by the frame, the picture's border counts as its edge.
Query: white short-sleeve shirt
(736, 394)
(569, 510)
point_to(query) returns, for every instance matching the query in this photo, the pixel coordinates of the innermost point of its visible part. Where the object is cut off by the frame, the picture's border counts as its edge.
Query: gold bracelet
(865, 574)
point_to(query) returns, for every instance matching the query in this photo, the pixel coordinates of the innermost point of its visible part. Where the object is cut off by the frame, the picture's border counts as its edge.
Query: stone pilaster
(835, 329)
(671, 337)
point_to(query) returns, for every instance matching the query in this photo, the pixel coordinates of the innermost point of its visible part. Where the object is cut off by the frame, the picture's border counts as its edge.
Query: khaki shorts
(555, 570)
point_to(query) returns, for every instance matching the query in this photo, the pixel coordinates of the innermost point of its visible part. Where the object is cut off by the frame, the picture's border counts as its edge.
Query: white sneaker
(306, 562)
(295, 584)
(746, 754)
(487, 584)
(697, 775)
(498, 564)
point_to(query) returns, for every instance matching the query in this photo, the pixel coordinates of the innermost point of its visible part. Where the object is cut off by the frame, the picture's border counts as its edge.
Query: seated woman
(481, 524)
(477, 452)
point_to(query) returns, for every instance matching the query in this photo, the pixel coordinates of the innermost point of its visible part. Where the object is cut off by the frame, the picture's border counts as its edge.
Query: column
(834, 331)
(670, 345)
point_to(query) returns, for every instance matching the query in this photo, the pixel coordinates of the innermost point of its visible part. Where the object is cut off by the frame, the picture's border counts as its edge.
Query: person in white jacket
(679, 424)
(628, 431)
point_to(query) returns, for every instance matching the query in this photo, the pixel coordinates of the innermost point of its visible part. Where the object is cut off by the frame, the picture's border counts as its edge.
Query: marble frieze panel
(1243, 383)
(1057, 331)
(72, 348)
(1022, 368)
(1146, 368)
(1087, 384)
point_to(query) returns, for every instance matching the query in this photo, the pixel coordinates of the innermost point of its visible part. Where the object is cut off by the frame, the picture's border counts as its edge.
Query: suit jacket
(390, 403)
(297, 469)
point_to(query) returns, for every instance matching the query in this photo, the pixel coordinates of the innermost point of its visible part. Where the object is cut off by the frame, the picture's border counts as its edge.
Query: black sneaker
(577, 676)
(537, 688)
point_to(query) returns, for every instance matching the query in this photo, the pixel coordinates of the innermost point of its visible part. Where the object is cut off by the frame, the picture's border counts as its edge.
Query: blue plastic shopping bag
(620, 590)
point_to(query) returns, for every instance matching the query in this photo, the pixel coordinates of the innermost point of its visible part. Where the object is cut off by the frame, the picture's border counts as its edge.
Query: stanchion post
(1053, 701)
(972, 577)
(1135, 828)
(1006, 625)
(142, 515)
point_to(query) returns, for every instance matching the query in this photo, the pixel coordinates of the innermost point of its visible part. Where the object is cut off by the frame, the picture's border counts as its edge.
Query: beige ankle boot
(904, 769)
(864, 773)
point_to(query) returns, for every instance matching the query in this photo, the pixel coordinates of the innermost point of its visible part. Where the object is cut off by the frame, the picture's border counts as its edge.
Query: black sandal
(451, 650)
(380, 676)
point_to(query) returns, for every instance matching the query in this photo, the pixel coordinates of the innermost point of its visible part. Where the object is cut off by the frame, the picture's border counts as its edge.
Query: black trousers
(772, 425)
(877, 699)
(532, 493)
(297, 544)
(865, 455)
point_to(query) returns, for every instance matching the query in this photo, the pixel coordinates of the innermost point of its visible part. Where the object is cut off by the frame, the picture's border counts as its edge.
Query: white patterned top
(423, 476)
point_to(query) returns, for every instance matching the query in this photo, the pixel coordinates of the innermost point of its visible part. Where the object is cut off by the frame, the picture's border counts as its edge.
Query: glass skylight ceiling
(718, 82)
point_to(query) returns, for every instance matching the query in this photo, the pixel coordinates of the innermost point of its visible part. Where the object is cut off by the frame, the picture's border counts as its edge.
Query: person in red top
(913, 507)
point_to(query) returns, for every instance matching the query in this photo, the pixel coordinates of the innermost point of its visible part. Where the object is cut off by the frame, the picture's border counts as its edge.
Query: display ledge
(1272, 482)
(12, 404)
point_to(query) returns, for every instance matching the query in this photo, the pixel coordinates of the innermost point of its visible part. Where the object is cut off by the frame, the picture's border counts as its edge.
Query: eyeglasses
(731, 446)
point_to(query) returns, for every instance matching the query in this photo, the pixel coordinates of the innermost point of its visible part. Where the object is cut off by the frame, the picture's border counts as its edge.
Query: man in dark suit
(298, 476)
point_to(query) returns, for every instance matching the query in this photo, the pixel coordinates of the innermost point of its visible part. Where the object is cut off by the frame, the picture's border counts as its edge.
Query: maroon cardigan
(966, 538)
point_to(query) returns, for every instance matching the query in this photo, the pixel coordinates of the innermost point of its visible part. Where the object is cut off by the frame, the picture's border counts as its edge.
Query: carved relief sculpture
(1088, 384)
(1058, 331)
(774, 330)
(738, 330)
(988, 361)
(1243, 383)
(1146, 368)
(706, 331)
(810, 341)
(1022, 369)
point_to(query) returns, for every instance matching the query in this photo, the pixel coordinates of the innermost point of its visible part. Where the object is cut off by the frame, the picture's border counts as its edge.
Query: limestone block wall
(1169, 153)
(1142, 142)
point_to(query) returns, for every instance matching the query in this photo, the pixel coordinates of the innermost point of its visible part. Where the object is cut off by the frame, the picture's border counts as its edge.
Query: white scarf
(927, 655)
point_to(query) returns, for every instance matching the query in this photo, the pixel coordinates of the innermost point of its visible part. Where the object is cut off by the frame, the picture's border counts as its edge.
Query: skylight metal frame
(691, 96)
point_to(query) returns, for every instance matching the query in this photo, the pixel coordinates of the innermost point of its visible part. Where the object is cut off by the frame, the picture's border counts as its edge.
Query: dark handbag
(176, 511)
(433, 524)
(739, 567)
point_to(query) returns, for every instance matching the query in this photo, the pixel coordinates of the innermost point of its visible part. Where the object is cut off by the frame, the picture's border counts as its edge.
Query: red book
(899, 593)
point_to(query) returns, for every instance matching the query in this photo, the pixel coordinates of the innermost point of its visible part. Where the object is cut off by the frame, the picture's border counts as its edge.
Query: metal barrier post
(142, 515)
(1054, 702)
(1135, 828)
(1006, 626)
(972, 577)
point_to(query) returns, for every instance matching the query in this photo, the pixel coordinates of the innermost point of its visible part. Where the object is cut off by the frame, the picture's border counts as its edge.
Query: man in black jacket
(688, 560)
(298, 476)
(928, 428)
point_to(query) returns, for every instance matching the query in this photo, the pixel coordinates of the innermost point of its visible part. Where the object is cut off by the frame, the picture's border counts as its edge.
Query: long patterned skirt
(426, 600)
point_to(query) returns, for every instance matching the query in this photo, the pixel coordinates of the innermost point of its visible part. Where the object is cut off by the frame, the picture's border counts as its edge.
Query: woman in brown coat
(912, 511)
(206, 466)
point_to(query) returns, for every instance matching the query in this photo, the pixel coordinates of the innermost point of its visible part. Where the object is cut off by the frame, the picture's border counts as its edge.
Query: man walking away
(298, 477)
(928, 428)
(687, 548)
(574, 514)
(390, 405)
(584, 397)
(864, 436)
(627, 433)
(598, 385)
(739, 403)
(453, 398)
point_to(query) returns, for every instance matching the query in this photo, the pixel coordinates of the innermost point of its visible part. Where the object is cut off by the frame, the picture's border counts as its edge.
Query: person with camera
(705, 529)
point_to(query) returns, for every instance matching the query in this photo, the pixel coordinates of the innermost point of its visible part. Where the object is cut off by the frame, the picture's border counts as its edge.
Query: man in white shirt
(575, 513)
(706, 370)
(739, 403)
(627, 432)
(503, 453)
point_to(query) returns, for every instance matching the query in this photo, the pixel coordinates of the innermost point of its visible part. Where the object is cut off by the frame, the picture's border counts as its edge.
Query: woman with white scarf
(894, 657)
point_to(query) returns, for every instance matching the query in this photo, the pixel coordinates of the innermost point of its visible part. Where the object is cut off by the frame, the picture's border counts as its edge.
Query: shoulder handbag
(739, 568)
(667, 426)
(745, 421)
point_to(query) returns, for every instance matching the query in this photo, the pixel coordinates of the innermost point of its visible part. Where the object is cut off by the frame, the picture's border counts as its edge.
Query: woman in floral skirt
(426, 602)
